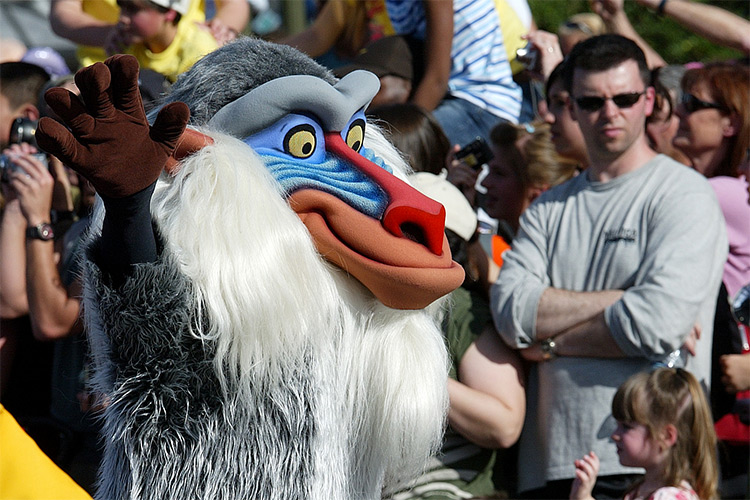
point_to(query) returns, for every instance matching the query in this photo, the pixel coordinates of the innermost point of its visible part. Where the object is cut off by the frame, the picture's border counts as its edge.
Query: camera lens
(23, 131)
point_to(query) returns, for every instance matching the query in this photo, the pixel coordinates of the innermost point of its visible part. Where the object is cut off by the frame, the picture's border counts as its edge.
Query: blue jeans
(463, 122)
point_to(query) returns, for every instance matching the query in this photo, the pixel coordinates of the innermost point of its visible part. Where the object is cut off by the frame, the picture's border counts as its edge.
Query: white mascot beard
(274, 306)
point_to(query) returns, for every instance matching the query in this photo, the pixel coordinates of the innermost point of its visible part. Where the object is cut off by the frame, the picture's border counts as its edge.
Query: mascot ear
(189, 143)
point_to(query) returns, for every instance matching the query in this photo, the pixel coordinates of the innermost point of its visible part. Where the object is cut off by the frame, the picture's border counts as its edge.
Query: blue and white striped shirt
(480, 71)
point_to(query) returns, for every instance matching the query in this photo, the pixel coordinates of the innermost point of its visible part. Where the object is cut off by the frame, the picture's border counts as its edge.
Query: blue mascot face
(311, 136)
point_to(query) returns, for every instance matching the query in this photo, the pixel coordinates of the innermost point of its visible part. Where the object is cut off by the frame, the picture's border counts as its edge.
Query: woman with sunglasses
(714, 134)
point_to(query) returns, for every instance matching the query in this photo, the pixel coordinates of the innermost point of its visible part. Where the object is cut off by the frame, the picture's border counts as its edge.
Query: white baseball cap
(459, 215)
(180, 6)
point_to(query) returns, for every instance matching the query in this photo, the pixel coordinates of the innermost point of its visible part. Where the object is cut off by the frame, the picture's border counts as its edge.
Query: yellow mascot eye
(356, 135)
(300, 141)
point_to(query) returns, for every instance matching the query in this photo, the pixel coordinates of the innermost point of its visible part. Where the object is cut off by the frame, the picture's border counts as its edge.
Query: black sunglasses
(595, 103)
(693, 104)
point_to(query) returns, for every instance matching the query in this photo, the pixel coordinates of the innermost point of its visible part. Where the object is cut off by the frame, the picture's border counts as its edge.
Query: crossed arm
(654, 312)
(576, 321)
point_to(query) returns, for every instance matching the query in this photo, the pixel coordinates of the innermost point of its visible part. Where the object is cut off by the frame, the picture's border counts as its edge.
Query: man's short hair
(604, 52)
(21, 83)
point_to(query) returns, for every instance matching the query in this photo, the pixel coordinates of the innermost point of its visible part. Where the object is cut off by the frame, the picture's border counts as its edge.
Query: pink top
(733, 200)
(684, 492)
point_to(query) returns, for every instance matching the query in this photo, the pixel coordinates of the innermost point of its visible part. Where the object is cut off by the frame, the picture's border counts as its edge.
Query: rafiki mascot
(257, 300)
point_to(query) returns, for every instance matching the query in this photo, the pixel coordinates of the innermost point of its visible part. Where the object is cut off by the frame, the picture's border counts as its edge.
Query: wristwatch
(41, 231)
(548, 349)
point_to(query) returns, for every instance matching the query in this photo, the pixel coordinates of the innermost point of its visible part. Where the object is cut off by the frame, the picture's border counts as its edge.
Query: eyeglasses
(693, 104)
(595, 103)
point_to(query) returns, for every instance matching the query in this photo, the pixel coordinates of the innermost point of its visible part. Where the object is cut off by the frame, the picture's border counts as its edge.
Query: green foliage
(674, 43)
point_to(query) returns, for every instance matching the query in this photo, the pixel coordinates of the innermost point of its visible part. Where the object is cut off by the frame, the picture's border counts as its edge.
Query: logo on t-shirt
(615, 235)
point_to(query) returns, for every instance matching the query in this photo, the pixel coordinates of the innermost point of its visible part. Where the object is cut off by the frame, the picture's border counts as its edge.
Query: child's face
(139, 22)
(635, 447)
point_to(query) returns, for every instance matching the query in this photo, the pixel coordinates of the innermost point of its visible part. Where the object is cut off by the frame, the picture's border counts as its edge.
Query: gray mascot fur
(277, 348)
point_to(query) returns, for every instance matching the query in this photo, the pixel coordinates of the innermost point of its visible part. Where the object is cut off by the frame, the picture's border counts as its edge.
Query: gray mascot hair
(257, 369)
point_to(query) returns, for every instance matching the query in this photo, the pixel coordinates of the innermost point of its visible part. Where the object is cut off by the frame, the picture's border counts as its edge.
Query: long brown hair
(729, 85)
(674, 396)
(537, 164)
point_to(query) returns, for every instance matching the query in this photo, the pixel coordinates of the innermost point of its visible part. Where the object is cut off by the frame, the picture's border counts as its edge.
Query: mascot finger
(70, 109)
(94, 82)
(170, 124)
(125, 94)
(57, 140)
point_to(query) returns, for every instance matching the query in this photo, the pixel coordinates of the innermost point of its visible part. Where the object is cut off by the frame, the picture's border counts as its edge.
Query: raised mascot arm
(111, 143)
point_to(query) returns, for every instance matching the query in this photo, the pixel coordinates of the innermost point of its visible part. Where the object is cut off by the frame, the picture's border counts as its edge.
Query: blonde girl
(664, 426)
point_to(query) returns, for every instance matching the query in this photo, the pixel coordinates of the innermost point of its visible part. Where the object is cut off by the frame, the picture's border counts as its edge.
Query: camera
(22, 131)
(527, 55)
(7, 166)
(475, 154)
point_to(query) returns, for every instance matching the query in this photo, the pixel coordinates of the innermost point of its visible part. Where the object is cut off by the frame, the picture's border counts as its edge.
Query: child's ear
(170, 15)
(669, 434)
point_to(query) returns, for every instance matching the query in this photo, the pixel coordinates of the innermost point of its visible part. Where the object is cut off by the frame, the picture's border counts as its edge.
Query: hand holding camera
(464, 164)
(32, 182)
(22, 132)
(541, 54)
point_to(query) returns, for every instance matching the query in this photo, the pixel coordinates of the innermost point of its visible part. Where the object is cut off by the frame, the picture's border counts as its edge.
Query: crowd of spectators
(597, 196)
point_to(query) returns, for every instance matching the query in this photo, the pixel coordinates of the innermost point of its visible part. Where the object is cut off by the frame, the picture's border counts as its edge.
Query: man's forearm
(592, 339)
(561, 310)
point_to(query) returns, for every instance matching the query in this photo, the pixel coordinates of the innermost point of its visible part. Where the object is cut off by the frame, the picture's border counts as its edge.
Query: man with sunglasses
(611, 272)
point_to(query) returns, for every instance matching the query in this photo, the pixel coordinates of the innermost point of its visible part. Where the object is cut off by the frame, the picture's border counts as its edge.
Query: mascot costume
(261, 287)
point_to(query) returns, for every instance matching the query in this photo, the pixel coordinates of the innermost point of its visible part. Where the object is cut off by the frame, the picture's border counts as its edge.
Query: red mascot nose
(409, 213)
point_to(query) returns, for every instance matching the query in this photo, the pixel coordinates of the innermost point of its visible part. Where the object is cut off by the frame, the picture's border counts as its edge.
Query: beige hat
(459, 216)
(180, 6)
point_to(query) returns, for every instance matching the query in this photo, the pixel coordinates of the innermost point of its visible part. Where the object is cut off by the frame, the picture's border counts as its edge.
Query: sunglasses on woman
(693, 104)
(595, 103)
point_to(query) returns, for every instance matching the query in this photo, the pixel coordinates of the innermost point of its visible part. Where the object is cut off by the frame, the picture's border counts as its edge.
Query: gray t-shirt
(658, 234)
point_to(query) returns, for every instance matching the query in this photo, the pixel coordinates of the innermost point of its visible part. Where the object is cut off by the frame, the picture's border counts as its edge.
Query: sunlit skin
(702, 135)
(6, 119)
(566, 134)
(615, 137)
(8, 114)
(637, 448)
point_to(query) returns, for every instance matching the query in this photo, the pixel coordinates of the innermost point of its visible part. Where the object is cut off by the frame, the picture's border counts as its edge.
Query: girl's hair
(537, 163)
(729, 86)
(586, 23)
(674, 396)
(415, 133)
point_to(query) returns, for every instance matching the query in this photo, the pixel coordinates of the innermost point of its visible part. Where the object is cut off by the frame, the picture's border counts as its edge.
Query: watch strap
(43, 231)
(549, 349)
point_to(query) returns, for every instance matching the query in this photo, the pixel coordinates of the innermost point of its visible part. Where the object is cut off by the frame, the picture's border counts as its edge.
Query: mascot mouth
(400, 272)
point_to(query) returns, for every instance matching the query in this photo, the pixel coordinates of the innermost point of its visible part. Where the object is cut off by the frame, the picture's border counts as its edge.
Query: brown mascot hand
(110, 142)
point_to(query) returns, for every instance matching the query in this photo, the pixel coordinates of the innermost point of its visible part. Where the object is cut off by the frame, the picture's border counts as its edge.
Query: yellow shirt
(513, 29)
(107, 10)
(190, 44)
(26, 473)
